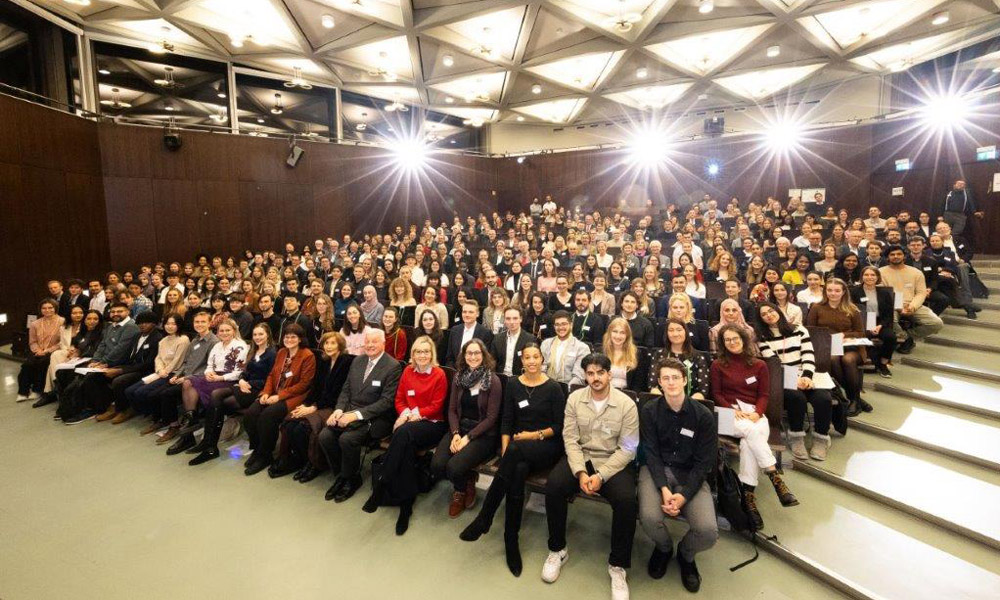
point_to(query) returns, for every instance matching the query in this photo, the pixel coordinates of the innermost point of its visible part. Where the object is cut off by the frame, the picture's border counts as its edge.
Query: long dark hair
(687, 349)
(746, 354)
(764, 332)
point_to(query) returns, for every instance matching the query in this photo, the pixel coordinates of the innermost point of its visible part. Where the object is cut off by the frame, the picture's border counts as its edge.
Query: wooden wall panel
(131, 220)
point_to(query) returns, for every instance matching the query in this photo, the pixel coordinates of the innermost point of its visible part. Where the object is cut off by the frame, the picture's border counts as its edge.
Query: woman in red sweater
(420, 426)
(741, 382)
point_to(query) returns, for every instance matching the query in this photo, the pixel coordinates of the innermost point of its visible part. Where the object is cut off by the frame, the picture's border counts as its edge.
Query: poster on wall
(814, 196)
(795, 194)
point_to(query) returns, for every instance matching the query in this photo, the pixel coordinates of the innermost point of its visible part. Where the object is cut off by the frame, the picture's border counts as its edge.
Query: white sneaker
(22, 398)
(619, 586)
(34, 396)
(553, 565)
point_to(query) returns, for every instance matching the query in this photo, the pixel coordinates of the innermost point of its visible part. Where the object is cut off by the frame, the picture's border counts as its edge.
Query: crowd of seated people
(520, 340)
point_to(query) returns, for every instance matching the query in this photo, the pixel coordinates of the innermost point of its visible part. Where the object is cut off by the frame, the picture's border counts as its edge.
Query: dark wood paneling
(131, 220)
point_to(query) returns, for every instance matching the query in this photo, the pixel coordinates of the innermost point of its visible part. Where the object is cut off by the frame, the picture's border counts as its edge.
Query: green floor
(95, 511)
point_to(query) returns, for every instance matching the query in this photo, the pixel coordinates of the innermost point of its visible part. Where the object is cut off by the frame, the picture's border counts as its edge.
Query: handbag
(977, 288)
(838, 417)
(731, 504)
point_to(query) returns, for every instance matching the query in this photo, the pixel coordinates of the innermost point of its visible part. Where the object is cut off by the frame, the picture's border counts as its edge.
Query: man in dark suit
(959, 206)
(469, 328)
(587, 326)
(365, 412)
(106, 391)
(74, 297)
(508, 344)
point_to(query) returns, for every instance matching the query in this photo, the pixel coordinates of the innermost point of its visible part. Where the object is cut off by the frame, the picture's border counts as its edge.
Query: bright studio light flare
(782, 136)
(648, 148)
(945, 112)
(410, 154)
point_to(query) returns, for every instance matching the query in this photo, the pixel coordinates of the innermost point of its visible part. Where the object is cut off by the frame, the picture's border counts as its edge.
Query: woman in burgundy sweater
(741, 382)
(420, 425)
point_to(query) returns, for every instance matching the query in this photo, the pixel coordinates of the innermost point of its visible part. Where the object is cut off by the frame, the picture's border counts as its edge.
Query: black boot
(201, 446)
(372, 503)
(481, 524)
(183, 443)
(403, 522)
(209, 443)
(511, 528)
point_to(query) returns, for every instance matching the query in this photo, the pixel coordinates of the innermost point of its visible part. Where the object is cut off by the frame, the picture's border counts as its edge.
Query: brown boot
(169, 434)
(750, 501)
(785, 496)
(152, 427)
(108, 414)
(470, 491)
(123, 416)
(457, 504)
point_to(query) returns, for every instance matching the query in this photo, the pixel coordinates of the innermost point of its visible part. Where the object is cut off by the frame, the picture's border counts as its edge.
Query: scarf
(480, 375)
(368, 307)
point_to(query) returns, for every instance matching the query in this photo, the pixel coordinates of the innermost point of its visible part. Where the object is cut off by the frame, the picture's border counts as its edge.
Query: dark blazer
(329, 380)
(928, 266)
(66, 305)
(499, 350)
(455, 340)
(643, 332)
(142, 359)
(256, 371)
(374, 397)
(963, 248)
(589, 328)
(303, 322)
(538, 325)
(886, 300)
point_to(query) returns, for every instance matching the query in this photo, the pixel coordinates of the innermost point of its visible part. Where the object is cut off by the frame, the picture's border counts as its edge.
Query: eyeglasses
(731, 340)
(473, 352)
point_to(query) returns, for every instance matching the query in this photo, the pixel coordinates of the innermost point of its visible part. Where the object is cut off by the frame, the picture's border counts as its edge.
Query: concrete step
(854, 542)
(966, 393)
(954, 343)
(947, 431)
(915, 481)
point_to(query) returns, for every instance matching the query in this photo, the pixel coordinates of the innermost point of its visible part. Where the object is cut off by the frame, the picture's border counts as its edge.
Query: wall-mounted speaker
(172, 141)
(294, 155)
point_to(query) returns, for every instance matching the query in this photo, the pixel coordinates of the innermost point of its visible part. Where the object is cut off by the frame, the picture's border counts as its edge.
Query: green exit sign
(986, 153)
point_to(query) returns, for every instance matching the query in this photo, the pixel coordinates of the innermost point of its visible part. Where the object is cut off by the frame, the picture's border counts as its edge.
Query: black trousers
(261, 423)
(95, 390)
(619, 491)
(166, 399)
(524, 458)
(399, 463)
(457, 468)
(795, 404)
(119, 385)
(31, 377)
(887, 337)
(342, 447)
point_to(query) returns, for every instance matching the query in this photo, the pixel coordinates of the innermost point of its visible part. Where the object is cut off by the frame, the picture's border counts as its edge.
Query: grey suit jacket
(116, 343)
(373, 397)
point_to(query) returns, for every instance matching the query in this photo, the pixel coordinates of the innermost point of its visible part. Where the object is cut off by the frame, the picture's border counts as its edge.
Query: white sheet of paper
(837, 344)
(71, 364)
(791, 377)
(854, 342)
(727, 420)
(86, 371)
(150, 378)
(870, 323)
(744, 407)
(897, 301)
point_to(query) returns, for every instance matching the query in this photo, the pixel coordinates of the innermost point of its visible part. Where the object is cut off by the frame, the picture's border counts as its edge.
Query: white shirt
(696, 255)
(467, 334)
(417, 277)
(508, 361)
(163, 293)
(549, 206)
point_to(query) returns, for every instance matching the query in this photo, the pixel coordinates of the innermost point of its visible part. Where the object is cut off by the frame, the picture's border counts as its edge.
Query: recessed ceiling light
(642, 73)
(104, 72)
(536, 89)
(773, 51)
(996, 70)
(278, 108)
(706, 6)
(221, 94)
(941, 18)
(449, 100)
(79, 2)
(448, 60)
(520, 119)
(328, 21)
(169, 108)
(259, 120)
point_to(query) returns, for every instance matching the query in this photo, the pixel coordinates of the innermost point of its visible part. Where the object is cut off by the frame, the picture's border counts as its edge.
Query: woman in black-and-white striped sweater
(791, 344)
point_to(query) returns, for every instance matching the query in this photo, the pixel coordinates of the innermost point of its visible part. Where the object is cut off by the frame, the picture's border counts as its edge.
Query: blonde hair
(682, 297)
(846, 305)
(629, 355)
(230, 323)
(407, 295)
(424, 339)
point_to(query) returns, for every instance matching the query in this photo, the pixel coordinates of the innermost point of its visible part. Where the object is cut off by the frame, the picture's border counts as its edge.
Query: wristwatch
(541, 435)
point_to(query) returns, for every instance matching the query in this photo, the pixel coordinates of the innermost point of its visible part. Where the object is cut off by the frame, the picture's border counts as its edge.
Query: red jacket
(423, 391)
(294, 382)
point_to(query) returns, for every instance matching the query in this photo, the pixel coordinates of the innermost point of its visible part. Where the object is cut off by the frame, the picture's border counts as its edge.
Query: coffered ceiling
(553, 61)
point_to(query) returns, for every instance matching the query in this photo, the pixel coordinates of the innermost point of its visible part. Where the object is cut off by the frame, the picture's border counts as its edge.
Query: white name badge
(288, 374)
(522, 404)
(865, 299)
(751, 379)
(586, 327)
(687, 432)
(541, 327)
(519, 353)
(473, 393)
(196, 346)
(411, 392)
(376, 384)
(145, 346)
(927, 268)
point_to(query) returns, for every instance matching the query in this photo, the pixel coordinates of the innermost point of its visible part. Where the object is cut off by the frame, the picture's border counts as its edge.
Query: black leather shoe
(403, 521)
(45, 399)
(907, 346)
(865, 407)
(299, 473)
(689, 574)
(256, 466)
(206, 455)
(282, 468)
(658, 562)
(371, 504)
(350, 488)
(186, 441)
(309, 474)
(338, 484)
